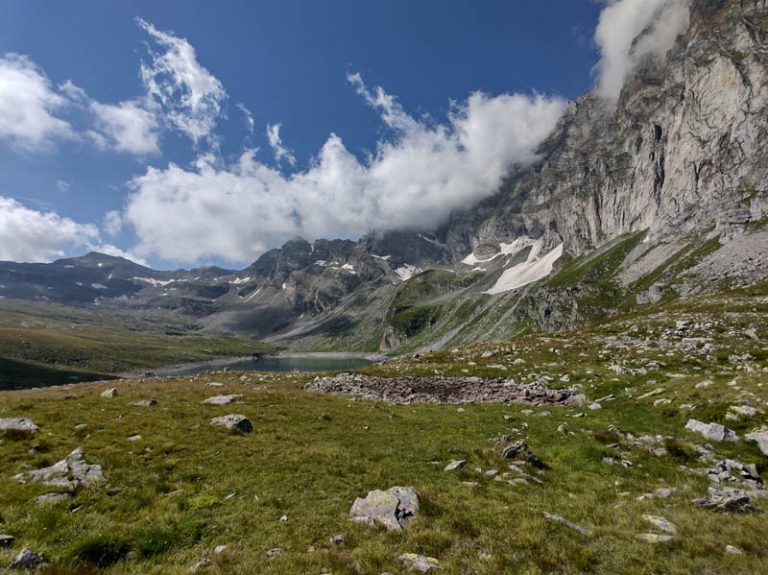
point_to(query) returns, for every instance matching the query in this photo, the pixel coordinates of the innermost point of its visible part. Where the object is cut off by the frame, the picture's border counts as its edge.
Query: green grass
(187, 486)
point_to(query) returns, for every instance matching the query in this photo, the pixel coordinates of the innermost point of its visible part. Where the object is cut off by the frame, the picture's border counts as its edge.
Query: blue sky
(199, 184)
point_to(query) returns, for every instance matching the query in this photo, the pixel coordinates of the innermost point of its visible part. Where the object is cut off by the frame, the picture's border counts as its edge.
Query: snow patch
(98, 286)
(349, 268)
(253, 295)
(238, 281)
(407, 271)
(532, 270)
(385, 258)
(154, 282)
(504, 250)
(79, 284)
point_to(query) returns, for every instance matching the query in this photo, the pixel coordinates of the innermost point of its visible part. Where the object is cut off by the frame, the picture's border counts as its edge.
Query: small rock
(28, 559)
(219, 549)
(200, 565)
(455, 464)
(144, 403)
(660, 523)
(274, 552)
(338, 539)
(594, 406)
(586, 531)
(109, 393)
(284, 518)
(711, 431)
(731, 550)
(655, 538)
(420, 563)
(135, 438)
(6, 540)
(214, 384)
(220, 399)
(394, 508)
(52, 498)
(234, 422)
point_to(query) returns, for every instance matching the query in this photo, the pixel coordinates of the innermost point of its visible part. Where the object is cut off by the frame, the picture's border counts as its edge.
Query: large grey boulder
(394, 508)
(69, 473)
(761, 438)
(20, 425)
(711, 431)
(234, 422)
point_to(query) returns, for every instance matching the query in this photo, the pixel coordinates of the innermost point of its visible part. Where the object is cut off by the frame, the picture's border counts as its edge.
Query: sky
(183, 133)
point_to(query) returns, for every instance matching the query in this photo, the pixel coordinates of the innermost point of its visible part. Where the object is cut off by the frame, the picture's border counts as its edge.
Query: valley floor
(177, 487)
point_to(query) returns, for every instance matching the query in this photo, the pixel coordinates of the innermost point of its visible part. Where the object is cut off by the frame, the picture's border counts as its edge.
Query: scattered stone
(660, 523)
(711, 431)
(731, 550)
(53, 498)
(455, 464)
(144, 403)
(18, 426)
(283, 518)
(420, 563)
(703, 384)
(220, 399)
(394, 508)
(28, 559)
(586, 531)
(219, 549)
(69, 473)
(338, 539)
(234, 422)
(662, 493)
(214, 384)
(761, 438)
(726, 500)
(655, 538)
(729, 470)
(274, 552)
(109, 393)
(656, 391)
(444, 389)
(594, 406)
(512, 449)
(199, 566)
(6, 540)
(135, 438)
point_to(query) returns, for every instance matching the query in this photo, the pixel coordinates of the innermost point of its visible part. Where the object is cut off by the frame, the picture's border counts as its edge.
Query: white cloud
(276, 143)
(111, 250)
(113, 223)
(630, 31)
(62, 186)
(127, 127)
(191, 96)
(416, 179)
(28, 106)
(247, 116)
(28, 235)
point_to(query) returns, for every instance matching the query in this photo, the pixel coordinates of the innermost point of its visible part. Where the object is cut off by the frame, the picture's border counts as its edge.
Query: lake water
(282, 363)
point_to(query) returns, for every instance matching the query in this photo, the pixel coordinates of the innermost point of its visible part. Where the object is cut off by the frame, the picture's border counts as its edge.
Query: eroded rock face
(69, 473)
(394, 508)
(234, 422)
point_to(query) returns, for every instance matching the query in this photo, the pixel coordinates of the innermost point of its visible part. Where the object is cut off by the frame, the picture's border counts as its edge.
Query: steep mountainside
(660, 195)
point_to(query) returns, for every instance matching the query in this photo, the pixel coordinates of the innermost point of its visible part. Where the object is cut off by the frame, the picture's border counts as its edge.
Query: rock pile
(69, 473)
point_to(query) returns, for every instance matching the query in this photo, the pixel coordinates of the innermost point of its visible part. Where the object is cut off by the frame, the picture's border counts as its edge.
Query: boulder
(420, 563)
(711, 431)
(109, 393)
(234, 422)
(394, 508)
(761, 438)
(662, 524)
(18, 425)
(69, 473)
(28, 559)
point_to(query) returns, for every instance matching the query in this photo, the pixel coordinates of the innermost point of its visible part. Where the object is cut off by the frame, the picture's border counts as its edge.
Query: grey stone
(274, 552)
(420, 563)
(21, 425)
(234, 422)
(761, 438)
(551, 517)
(731, 550)
(655, 538)
(6, 540)
(53, 498)
(726, 501)
(455, 464)
(662, 524)
(144, 403)
(109, 393)
(199, 566)
(220, 399)
(394, 508)
(28, 559)
(69, 473)
(711, 431)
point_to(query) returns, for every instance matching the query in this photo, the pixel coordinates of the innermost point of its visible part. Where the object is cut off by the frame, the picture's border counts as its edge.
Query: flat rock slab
(21, 425)
(394, 508)
(234, 422)
(436, 389)
(220, 399)
(711, 431)
(69, 473)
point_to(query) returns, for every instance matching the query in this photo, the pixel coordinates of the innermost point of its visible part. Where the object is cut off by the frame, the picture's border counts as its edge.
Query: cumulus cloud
(414, 179)
(111, 250)
(276, 143)
(112, 223)
(247, 116)
(191, 96)
(127, 127)
(29, 105)
(28, 235)
(630, 31)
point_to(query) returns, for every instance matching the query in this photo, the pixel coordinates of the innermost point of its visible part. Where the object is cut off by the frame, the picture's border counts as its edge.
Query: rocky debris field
(438, 389)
